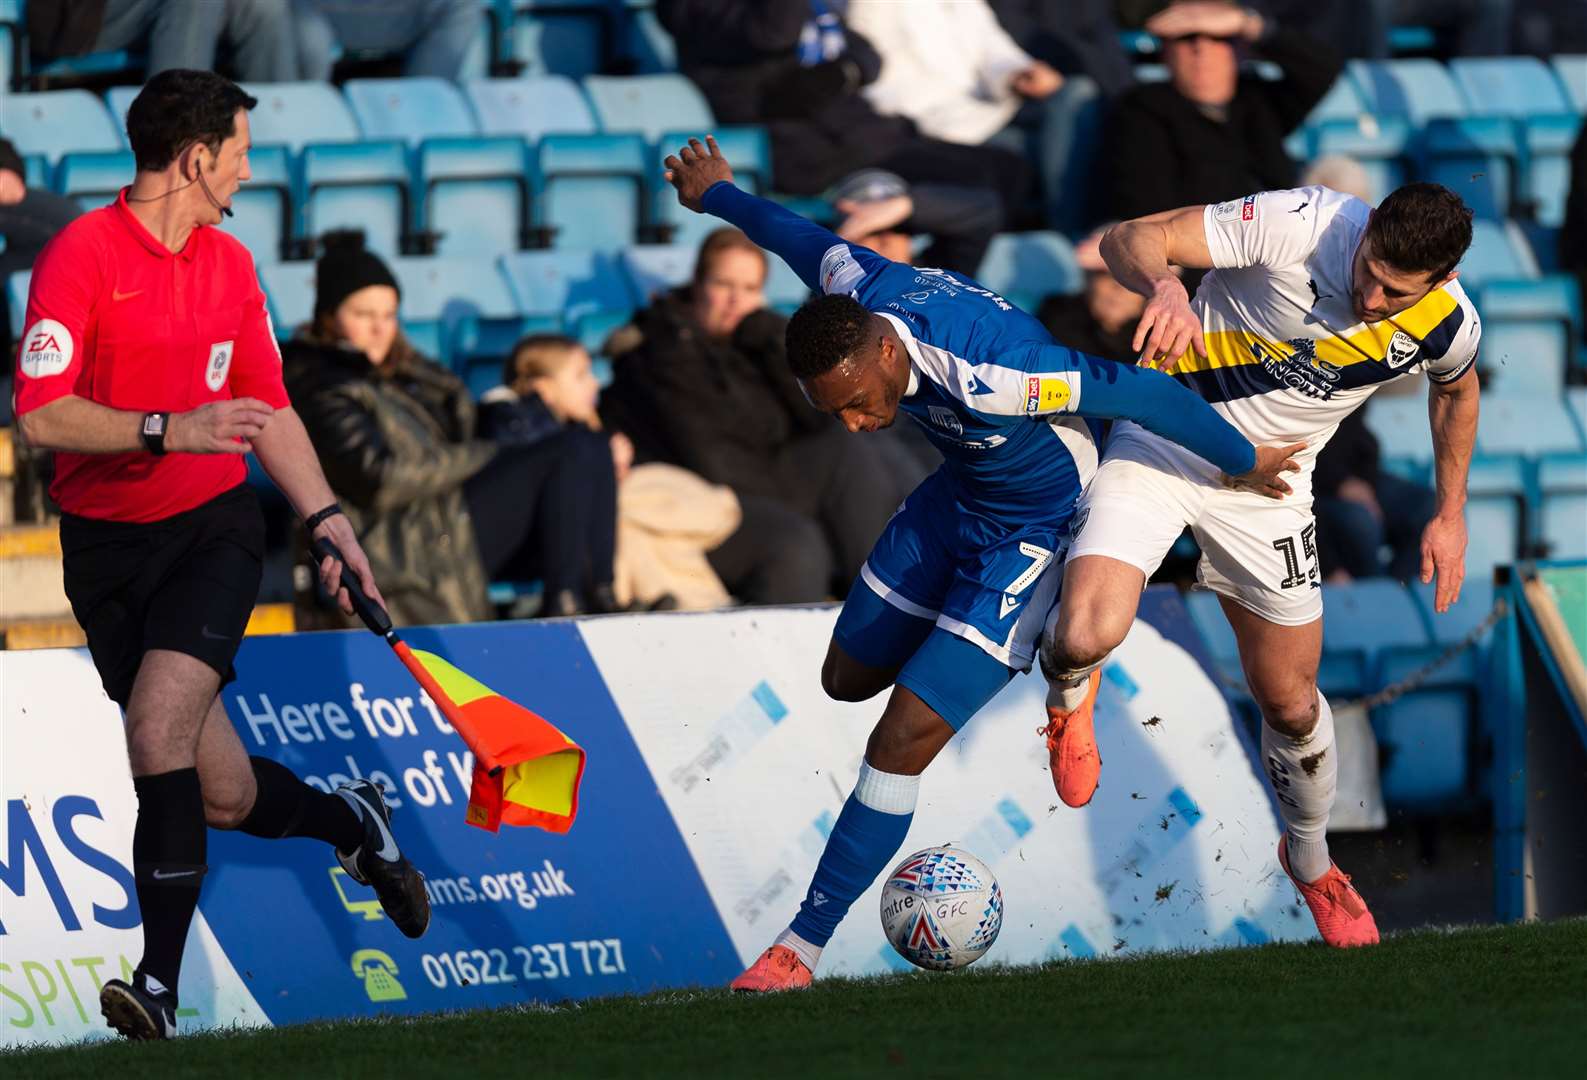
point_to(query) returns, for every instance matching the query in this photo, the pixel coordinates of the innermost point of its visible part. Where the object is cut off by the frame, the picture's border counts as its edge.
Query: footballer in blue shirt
(952, 600)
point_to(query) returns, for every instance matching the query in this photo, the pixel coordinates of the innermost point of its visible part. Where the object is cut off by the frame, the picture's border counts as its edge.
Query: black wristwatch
(153, 431)
(314, 520)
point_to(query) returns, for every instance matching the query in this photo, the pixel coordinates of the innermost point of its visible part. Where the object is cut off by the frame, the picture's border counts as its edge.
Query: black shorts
(187, 583)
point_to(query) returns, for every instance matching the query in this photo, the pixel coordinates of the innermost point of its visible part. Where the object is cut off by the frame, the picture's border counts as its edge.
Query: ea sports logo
(47, 349)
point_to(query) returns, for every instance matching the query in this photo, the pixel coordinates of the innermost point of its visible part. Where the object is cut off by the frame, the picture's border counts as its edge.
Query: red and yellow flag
(526, 771)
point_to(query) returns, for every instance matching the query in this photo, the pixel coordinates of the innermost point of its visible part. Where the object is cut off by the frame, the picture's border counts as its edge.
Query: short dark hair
(825, 332)
(180, 107)
(1421, 228)
(536, 356)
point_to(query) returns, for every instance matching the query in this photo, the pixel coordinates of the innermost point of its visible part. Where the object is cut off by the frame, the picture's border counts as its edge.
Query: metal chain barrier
(1416, 679)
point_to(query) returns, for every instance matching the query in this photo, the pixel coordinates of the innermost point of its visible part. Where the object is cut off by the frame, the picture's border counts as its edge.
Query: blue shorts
(954, 601)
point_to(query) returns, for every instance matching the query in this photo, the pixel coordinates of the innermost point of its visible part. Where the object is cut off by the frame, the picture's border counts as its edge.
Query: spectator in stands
(1102, 319)
(1362, 510)
(256, 35)
(1573, 230)
(28, 218)
(1210, 133)
(1079, 37)
(1343, 174)
(667, 517)
(707, 386)
(440, 512)
(446, 39)
(951, 68)
(793, 66)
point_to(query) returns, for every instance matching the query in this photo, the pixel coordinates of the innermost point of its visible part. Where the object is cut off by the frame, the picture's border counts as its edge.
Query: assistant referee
(150, 367)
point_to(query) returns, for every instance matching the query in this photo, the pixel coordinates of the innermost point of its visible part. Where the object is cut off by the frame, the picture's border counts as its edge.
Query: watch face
(154, 424)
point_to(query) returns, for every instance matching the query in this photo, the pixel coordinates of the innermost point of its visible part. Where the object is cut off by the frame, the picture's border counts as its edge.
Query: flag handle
(379, 622)
(373, 614)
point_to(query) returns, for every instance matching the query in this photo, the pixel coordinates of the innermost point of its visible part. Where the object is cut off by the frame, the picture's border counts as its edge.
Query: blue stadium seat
(1207, 615)
(1498, 250)
(593, 189)
(647, 44)
(1572, 74)
(785, 290)
(655, 268)
(1562, 481)
(530, 107)
(409, 109)
(561, 39)
(1547, 141)
(1510, 86)
(1527, 331)
(1343, 101)
(1576, 400)
(749, 151)
(1417, 89)
(262, 209)
(1360, 620)
(94, 177)
(57, 122)
(476, 195)
(592, 330)
(1496, 491)
(357, 185)
(7, 45)
(1539, 424)
(465, 303)
(1024, 267)
(1379, 143)
(565, 284)
(36, 170)
(289, 294)
(118, 99)
(1400, 423)
(1475, 157)
(295, 114)
(1425, 736)
(649, 104)
(17, 300)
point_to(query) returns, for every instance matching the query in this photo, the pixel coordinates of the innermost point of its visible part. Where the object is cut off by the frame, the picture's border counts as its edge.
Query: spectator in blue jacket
(441, 38)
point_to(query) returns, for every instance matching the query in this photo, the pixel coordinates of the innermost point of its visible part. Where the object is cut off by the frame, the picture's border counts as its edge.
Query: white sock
(1305, 777)
(891, 793)
(1068, 694)
(810, 954)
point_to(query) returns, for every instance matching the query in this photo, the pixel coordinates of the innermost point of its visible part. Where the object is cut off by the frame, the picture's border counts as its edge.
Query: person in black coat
(707, 387)
(774, 63)
(1212, 133)
(29, 217)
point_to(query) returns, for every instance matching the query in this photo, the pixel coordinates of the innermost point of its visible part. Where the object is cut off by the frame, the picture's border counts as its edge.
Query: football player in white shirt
(1314, 301)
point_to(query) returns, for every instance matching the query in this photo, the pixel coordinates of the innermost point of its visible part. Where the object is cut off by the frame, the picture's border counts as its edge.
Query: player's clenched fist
(1168, 327)
(693, 169)
(221, 427)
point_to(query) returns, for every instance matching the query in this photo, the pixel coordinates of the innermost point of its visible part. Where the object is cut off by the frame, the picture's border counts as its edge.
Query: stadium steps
(64, 633)
(30, 573)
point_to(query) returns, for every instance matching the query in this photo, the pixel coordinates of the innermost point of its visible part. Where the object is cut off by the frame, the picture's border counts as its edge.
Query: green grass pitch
(1486, 1002)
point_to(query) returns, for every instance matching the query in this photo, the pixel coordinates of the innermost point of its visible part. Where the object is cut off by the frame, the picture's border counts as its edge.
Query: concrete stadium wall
(716, 769)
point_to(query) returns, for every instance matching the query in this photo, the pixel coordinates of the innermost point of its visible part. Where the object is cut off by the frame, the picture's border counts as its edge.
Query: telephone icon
(379, 974)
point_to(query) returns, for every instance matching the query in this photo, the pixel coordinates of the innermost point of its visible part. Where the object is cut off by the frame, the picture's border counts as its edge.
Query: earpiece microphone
(226, 210)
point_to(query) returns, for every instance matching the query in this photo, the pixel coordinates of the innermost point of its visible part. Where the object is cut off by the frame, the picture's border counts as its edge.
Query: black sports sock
(286, 806)
(168, 847)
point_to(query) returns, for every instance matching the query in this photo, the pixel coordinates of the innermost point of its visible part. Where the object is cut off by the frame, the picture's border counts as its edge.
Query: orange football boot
(1342, 916)
(1072, 748)
(779, 968)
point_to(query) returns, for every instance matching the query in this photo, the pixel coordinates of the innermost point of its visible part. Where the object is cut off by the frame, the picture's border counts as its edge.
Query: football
(941, 908)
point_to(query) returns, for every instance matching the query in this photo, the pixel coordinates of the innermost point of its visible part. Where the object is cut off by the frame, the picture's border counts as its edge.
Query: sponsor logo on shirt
(1302, 370)
(1226, 211)
(47, 349)
(1045, 395)
(1248, 208)
(219, 364)
(1402, 350)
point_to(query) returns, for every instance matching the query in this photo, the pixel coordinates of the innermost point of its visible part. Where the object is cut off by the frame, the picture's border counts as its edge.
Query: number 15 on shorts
(1295, 549)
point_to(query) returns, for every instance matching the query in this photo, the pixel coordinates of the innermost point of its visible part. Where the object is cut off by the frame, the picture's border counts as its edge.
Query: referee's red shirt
(116, 318)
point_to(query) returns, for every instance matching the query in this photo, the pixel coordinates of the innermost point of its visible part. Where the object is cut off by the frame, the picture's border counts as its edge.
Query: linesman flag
(526, 771)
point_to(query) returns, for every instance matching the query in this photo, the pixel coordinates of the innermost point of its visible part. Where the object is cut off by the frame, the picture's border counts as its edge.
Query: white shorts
(1259, 552)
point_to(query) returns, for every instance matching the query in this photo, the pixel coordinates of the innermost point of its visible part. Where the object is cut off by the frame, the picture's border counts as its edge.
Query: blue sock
(868, 833)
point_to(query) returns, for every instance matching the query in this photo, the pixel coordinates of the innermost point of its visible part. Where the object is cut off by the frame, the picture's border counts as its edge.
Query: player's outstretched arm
(1141, 254)
(1159, 404)
(705, 185)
